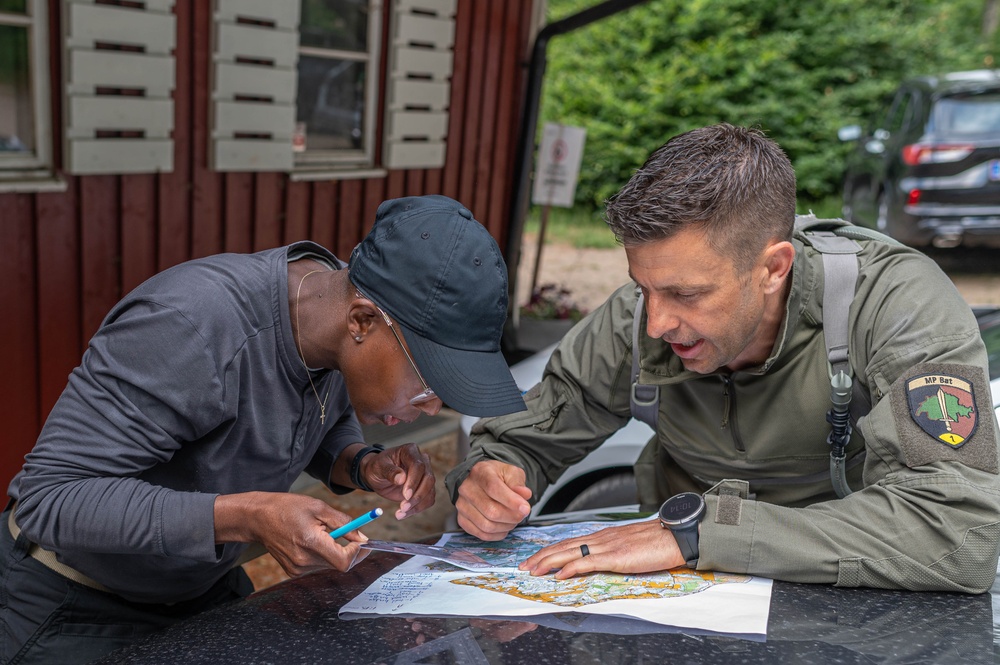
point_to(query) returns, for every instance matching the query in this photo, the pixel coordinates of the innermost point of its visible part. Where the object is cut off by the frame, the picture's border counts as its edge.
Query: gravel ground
(593, 274)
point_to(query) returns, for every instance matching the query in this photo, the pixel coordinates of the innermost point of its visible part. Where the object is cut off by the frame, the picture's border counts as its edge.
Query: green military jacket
(925, 511)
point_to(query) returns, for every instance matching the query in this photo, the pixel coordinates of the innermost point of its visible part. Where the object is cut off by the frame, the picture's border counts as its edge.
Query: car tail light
(913, 198)
(935, 153)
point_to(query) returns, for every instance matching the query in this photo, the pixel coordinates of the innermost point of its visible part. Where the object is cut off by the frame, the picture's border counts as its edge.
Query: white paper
(460, 558)
(716, 602)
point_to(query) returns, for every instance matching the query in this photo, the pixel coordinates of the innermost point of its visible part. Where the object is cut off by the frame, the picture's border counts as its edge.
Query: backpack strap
(644, 400)
(861, 402)
(840, 278)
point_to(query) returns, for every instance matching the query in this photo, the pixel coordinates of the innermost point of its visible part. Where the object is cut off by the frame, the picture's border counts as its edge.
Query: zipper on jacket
(729, 412)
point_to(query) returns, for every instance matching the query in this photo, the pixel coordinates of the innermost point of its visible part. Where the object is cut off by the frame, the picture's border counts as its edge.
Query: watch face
(681, 508)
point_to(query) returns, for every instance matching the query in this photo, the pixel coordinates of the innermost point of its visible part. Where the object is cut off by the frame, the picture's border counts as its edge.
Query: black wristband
(356, 478)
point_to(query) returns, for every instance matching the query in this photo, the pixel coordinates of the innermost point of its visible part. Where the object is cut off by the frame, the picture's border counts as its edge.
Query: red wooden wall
(67, 257)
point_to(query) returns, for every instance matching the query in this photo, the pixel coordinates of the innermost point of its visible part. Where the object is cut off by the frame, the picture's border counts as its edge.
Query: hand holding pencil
(356, 523)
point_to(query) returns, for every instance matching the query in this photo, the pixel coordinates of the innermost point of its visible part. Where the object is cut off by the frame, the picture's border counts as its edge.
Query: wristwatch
(682, 514)
(356, 478)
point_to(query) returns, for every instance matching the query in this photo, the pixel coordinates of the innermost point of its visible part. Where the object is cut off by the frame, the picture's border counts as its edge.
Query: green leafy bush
(799, 70)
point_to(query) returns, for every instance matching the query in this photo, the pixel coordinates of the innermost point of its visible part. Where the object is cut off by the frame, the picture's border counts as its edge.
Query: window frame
(898, 115)
(39, 163)
(320, 160)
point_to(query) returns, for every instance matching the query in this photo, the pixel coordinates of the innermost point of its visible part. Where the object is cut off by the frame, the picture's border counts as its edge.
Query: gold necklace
(298, 336)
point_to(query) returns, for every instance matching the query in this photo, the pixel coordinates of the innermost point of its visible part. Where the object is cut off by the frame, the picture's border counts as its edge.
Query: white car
(605, 478)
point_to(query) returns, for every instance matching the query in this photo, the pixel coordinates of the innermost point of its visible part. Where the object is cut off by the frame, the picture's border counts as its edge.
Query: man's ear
(361, 316)
(777, 264)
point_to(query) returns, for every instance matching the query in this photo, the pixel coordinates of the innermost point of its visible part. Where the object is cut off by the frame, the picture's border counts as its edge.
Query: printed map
(600, 587)
(425, 586)
(516, 547)
(505, 555)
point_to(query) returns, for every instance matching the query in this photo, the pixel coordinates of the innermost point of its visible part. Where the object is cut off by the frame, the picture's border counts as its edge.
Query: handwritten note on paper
(681, 597)
(396, 593)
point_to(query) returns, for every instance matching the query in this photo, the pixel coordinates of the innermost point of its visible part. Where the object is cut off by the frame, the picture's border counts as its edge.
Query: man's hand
(402, 474)
(643, 547)
(492, 500)
(295, 529)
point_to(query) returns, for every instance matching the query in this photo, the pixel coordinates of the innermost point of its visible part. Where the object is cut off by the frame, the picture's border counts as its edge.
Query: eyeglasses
(427, 394)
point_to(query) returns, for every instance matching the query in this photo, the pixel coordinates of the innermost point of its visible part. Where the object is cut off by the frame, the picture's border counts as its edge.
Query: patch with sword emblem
(943, 406)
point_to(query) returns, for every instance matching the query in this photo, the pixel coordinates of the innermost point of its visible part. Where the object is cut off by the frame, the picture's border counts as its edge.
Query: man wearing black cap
(209, 389)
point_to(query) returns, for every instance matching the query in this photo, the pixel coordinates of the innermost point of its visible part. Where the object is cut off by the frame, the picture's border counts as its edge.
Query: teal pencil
(357, 523)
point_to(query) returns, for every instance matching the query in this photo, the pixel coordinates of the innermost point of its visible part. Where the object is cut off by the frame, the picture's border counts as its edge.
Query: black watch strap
(356, 478)
(687, 542)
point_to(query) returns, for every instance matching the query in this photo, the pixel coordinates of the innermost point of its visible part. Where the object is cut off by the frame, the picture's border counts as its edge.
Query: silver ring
(584, 550)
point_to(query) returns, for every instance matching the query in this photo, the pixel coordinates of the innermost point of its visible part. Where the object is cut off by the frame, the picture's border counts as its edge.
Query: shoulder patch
(943, 411)
(943, 406)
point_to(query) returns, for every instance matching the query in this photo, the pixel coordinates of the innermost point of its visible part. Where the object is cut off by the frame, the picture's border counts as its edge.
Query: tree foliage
(799, 70)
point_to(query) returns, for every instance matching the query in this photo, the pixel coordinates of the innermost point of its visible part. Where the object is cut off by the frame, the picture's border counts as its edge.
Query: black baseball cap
(439, 274)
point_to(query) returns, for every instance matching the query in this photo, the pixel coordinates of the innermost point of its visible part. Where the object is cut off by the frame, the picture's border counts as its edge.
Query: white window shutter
(418, 89)
(254, 79)
(119, 68)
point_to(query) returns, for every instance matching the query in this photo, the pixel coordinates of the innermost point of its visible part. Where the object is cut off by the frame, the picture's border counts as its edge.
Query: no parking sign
(558, 167)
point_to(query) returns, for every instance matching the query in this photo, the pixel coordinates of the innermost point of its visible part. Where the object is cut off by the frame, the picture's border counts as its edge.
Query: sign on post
(556, 174)
(558, 166)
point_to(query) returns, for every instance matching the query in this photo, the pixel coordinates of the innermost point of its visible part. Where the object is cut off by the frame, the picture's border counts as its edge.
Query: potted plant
(547, 316)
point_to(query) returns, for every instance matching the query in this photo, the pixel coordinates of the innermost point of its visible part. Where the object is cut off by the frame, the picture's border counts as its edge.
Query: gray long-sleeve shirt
(192, 387)
(925, 514)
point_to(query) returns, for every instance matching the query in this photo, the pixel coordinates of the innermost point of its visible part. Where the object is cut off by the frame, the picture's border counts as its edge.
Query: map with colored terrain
(521, 543)
(429, 586)
(600, 587)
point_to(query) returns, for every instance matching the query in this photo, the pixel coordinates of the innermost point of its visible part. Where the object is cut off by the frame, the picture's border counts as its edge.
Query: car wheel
(882, 221)
(616, 490)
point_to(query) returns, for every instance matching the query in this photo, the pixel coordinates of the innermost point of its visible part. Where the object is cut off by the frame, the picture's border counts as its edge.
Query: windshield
(972, 114)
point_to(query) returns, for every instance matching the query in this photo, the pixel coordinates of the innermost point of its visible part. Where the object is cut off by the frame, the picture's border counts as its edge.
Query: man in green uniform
(734, 321)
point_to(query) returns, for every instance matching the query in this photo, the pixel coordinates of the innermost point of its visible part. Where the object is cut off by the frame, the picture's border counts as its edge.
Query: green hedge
(798, 69)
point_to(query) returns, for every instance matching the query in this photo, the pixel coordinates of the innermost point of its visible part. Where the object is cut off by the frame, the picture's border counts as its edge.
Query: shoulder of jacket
(807, 226)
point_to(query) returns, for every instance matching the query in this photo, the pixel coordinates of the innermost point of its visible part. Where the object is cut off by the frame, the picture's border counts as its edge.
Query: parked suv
(927, 172)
